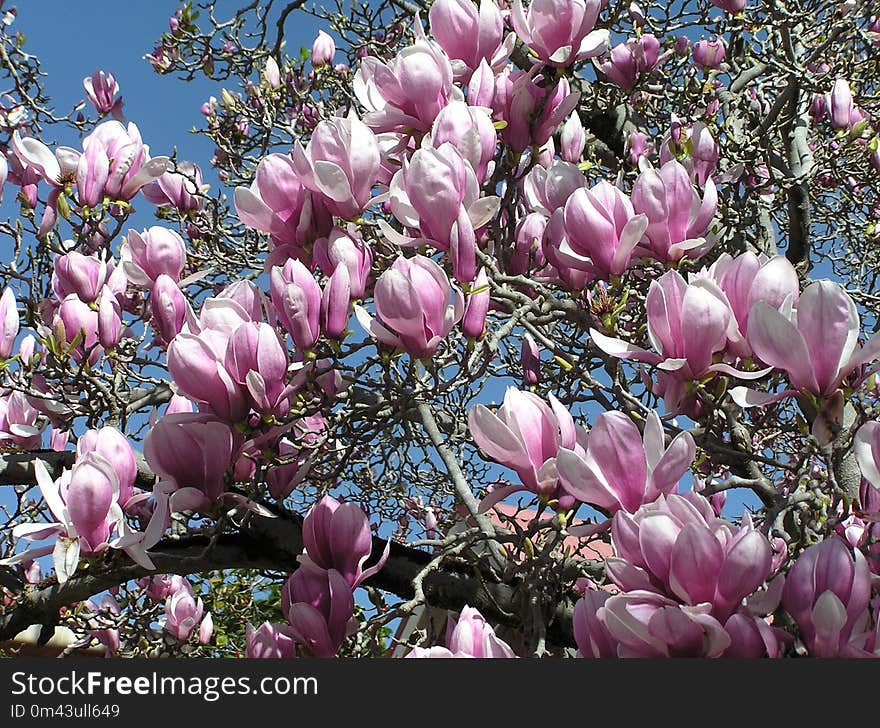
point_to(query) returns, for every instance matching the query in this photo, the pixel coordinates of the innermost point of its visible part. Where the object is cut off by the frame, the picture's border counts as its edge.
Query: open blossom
(438, 194)
(747, 279)
(468, 636)
(816, 343)
(688, 323)
(601, 230)
(279, 203)
(20, 424)
(341, 163)
(183, 613)
(409, 91)
(678, 547)
(526, 434)
(678, 216)
(560, 32)
(470, 36)
(643, 623)
(154, 252)
(191, 451)
(413, 311)
(84, 500)
(181, 189)
(115, 163)
(621, 469)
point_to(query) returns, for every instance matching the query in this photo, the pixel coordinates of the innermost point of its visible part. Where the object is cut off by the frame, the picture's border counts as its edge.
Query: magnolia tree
(265, 422)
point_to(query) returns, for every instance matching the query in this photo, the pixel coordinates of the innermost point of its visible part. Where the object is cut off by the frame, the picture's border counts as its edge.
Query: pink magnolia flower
(530, 360)
(678, 216)
(82, 275)
(572, 139)
(169, 308)
(319, 606)
(601, 230)
(192, 451)
(531, 109)
(413, 312)
(151, 253)
(256, 359)
(469, 636)
(296, 298)
(678, 547)
(341, 163)
(688, 323)
(546, 190)
(114, 447)
(269, 641)
(181, 190)
(560, 32)
(348, 249)
(731, 6)
(437, 193)
(827, 592)
(628, 60)
(337, 536)
(816, 344)
(620, 468)
(866, 447)
(279, 203)
(709, 54)
(646, 624)
(471, 131)
(9, 323)
(85, 503)
(336, 303)
(469, 36)
(694, 147)
(183, 610)
(101, 90)
(526, 434)
(476, 308)
(747, 279)
(199, 372)
(840, 105)
(20, 424)
(408, 92)
(79, 324)
(115, 163)
(323, 50)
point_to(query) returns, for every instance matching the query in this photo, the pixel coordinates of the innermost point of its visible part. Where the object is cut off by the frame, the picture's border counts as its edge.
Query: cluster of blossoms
(90, 501)
(318, 598)
(458, 174)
